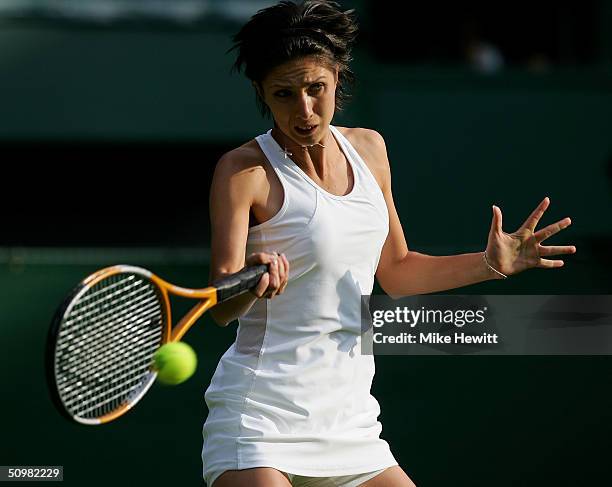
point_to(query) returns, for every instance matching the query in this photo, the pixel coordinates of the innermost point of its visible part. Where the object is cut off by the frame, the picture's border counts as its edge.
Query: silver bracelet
(504, 276)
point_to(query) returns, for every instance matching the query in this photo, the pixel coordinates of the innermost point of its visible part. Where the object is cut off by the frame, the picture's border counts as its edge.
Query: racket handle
(235, 284)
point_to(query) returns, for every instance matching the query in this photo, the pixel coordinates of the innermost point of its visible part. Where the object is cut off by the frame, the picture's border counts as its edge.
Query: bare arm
(402, 272)
(234, 187)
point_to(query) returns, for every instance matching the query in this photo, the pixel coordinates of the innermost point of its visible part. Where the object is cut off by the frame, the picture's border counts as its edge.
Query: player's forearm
(421, 274)
(232, 309)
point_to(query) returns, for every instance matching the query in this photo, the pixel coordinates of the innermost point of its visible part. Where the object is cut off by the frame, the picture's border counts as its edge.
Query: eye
(282, 93)
(317, 87)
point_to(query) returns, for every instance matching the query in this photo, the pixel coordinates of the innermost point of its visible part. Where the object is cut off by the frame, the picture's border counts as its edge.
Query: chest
(346, 232)
(339, 182)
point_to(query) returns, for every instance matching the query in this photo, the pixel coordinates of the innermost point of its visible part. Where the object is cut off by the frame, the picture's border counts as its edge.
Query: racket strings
(105, 290)
(108, 404)
(98, 395)
(100, 335)
(102, 330)
(105, 393)
(106, 343)
(93, 386)
(97, 363)
(82, 312)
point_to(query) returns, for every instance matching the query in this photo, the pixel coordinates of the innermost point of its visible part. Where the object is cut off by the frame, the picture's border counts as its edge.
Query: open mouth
(306, 129)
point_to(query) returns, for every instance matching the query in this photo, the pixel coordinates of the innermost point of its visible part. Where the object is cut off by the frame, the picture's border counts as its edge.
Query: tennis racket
(101, 342)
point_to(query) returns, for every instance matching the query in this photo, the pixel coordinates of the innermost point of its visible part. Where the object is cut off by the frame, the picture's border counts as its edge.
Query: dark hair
(288, 31)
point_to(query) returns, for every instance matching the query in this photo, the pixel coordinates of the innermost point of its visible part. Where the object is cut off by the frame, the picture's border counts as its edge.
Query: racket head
(101, 342)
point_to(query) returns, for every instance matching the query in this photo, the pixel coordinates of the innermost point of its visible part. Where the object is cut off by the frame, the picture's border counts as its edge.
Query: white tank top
(293, 390)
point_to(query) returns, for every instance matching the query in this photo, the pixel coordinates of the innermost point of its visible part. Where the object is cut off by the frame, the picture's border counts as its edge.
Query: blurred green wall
(452, 135)
(87, 83)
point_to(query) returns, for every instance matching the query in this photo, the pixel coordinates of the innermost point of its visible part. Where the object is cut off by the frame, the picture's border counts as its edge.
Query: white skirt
(318, 424)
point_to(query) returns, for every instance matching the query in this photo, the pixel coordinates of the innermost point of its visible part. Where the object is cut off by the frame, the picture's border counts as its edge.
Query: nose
(304, 107)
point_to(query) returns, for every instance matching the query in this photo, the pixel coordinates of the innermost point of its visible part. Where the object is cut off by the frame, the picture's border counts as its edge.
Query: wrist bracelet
(504, 276)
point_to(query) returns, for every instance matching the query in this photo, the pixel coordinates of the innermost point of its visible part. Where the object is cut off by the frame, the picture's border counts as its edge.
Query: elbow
(396, 281)
(397, 293)
(387, 288)
(393, 289)
(218, 319)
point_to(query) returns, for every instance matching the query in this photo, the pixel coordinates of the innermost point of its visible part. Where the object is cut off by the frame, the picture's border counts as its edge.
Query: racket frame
(207, 297)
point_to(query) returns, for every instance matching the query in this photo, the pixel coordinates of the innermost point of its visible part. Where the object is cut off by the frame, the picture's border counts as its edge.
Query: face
(301, 95)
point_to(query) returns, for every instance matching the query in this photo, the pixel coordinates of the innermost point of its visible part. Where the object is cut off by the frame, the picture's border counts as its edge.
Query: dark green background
(458, 142)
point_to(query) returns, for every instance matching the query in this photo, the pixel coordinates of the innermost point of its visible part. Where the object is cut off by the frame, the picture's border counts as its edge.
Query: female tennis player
(290, 403)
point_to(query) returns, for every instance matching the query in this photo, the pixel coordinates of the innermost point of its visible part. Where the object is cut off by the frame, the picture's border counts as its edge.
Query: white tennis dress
(293, 391)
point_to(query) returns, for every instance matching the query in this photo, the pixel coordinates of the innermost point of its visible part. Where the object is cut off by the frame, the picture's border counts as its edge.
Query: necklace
(287, 153)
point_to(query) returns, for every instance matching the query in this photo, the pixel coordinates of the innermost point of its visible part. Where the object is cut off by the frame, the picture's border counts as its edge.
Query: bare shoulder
(371, 147)
(243, 166)
(246, 159)
(365, 138)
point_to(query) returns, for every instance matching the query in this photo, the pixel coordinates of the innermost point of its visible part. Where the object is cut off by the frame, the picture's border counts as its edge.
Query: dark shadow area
(106, 193)
(535, 35)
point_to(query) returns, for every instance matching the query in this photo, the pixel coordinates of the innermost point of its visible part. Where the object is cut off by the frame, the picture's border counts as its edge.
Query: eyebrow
(282, 83)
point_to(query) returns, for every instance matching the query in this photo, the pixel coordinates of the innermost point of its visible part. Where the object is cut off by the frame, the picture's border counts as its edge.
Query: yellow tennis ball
(175, 363)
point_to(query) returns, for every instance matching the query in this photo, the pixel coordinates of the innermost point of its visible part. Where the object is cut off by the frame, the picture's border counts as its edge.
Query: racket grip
(235, 284)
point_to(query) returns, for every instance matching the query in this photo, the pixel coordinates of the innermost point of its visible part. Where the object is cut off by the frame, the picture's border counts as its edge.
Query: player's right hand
(275, 280)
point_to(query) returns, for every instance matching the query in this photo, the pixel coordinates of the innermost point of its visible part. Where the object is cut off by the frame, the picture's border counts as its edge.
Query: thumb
(496, 221)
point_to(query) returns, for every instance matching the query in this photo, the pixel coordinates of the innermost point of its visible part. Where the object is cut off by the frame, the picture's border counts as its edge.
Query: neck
(314, 154)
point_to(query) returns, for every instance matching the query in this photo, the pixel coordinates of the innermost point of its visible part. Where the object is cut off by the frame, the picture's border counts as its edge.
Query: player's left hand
(511, 253)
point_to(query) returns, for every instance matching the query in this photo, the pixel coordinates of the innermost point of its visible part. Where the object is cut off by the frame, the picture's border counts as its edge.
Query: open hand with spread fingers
(511, 253)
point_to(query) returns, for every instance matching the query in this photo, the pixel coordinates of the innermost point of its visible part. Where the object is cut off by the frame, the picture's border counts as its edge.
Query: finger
(253, 259)
(557, 249)
(282, 274)
(286, 270)
(258, 258)
(274, 278)
(533, 219)
(550, 230)
(262, 285)
(550, 264)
